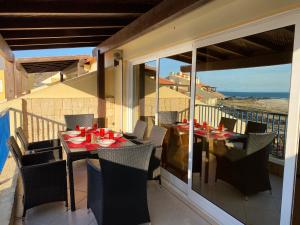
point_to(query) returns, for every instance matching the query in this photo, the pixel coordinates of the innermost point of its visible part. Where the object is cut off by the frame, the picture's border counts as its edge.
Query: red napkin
(201, 132)
(184, 127)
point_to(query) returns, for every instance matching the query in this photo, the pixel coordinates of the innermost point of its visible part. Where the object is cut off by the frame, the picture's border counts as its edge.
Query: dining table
(84, 150)
(213, 142)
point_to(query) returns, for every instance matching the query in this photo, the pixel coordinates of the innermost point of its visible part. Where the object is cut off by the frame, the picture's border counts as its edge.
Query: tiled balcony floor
(164, 207)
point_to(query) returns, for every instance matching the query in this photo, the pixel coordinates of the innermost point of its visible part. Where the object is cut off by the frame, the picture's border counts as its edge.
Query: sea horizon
(263, 95)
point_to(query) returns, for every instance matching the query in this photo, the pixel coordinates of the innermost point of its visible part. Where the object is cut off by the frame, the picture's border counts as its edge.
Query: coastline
(274, 105)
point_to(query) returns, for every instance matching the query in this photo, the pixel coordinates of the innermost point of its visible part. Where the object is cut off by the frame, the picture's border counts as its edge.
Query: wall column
(101, 89)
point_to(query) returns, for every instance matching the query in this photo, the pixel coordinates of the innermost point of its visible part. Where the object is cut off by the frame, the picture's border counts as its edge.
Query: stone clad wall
(45, 116)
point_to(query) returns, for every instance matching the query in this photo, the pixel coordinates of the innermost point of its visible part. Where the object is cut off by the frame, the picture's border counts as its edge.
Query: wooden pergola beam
(5, 50)
(55, 45)
(154, 18)
(33, 7)
(32, 34)
(243, 62)
(61, 40)
(19, 23)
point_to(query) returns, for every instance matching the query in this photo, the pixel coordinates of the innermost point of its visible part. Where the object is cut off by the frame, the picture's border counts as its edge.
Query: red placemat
(87, 145)
(201, 132)
(183, 127)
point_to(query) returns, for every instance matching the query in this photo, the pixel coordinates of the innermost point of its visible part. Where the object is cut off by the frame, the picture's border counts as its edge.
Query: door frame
(291, 17)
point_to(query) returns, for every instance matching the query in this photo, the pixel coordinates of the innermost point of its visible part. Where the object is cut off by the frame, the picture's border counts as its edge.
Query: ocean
(264, 95)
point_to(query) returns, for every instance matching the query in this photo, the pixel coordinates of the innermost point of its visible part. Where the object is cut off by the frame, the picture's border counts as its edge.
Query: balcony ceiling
(49, 64)
(263, 49)
(45, 24)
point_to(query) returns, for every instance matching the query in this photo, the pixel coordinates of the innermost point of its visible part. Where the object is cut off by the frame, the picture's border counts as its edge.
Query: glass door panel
(174, 105)
(241, 111)
(144, 94)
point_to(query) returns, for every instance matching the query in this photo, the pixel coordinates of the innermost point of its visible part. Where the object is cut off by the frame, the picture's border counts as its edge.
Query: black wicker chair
(247, 169)
(83, 120)
(255, 127)
(117, 192)
(251, 127)
(43, 181)
(168, 117)
(40, 146)
(138, 132)
(228, 123)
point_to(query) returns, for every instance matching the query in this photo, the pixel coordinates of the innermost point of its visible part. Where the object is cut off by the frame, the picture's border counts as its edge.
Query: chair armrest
(54, 143)
(37, 158)
(129, 136)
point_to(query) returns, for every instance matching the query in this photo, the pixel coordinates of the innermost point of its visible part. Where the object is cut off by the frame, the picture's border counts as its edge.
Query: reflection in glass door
(144, 94)
(241, 111)
(174, 104)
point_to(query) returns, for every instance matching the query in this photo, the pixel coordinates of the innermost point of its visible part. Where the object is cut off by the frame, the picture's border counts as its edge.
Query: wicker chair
(254, 127)
(43, 181)
(40, 146)
(138, 132)
(247, 169)
(117, 193)
(168, 117)
(83, 120)
(228, 123)
(156, 137)
(251, 127)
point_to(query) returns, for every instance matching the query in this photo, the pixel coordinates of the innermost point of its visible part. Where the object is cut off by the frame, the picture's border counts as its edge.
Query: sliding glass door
(241, 112)
(233, 163)
(174, 108)
(144, 94)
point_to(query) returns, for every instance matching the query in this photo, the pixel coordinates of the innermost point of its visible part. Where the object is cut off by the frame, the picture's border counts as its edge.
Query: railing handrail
(4, 111)
(37, 116)
(245, 110)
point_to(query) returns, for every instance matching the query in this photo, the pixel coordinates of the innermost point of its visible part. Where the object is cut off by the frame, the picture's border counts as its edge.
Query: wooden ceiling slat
(29, 34)
(69, 45)
(225, 50)
(55, 40)
(15, 8)
(262, 42)
(9, 23)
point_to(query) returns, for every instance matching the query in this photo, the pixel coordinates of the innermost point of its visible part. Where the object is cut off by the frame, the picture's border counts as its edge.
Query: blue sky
(257, 79)
(53, 52)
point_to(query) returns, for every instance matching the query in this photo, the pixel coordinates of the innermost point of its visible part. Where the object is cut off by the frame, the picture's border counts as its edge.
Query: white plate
(73, 133)
(117, 135)
(77, 140)
(106, 142)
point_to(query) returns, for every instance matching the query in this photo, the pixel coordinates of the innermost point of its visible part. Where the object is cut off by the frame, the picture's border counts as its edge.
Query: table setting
(92, 138)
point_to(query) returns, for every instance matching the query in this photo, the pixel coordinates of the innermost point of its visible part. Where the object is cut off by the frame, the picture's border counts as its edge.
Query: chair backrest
(136, 156)
(157, 135)
(124, 174)
(83, 120)
(22, 137)
(139, 129)
(254, 127)
(258, 141)
(15, 150)
(167, 117)
(228, 123)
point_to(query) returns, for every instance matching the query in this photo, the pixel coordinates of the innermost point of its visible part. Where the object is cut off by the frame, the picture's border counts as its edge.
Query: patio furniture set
(118, 173)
